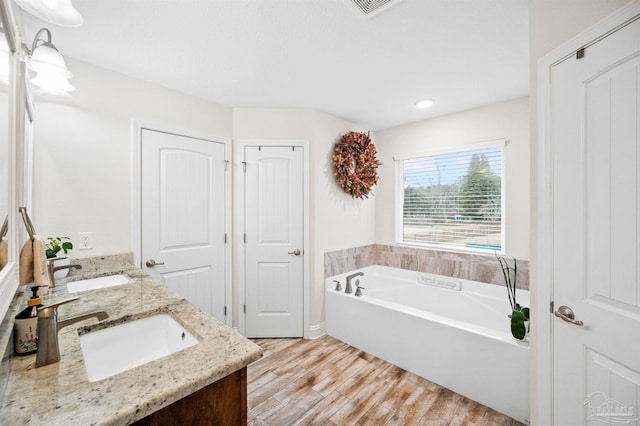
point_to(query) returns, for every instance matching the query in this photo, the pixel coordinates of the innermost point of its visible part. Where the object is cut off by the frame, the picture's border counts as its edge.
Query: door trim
(136, 181)
(541, 372)
(239, 228)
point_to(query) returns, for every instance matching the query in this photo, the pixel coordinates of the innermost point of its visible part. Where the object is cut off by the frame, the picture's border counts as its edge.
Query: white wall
(337, 221)
(82, 162)
(506, 120)
(83, 148)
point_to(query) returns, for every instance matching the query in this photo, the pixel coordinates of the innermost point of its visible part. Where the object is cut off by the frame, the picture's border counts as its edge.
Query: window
(454, 200)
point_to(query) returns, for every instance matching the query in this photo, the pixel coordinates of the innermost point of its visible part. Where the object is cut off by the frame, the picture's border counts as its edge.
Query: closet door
(274, 214)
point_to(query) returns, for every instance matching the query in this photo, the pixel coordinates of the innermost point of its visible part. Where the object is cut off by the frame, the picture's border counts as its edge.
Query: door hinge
(225, 310)
(551, 306)
(244, 238)
(226, 165)
(244, 309)
(225, 238)
(580, 53)
(244, 166)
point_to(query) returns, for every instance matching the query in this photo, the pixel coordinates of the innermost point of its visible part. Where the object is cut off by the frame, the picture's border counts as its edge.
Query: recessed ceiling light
(424, 103)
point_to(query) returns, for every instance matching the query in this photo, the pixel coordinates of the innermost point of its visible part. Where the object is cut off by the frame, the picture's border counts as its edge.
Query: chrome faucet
(53, 269)
(49, 326)
(348, 288)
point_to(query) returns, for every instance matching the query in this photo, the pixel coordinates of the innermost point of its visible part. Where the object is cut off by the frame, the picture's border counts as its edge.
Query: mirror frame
(18, 93)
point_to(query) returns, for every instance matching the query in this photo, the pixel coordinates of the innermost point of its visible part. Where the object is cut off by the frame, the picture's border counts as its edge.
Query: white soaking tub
(451, 331)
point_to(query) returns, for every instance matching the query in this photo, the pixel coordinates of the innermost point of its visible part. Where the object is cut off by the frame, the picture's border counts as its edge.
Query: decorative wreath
(355, 164)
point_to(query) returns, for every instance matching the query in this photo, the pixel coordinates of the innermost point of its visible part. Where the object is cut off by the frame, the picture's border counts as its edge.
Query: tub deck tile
(327, 382)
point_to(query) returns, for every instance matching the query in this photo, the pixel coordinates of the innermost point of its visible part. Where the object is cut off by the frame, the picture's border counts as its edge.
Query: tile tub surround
(474, 267)
(60, 393)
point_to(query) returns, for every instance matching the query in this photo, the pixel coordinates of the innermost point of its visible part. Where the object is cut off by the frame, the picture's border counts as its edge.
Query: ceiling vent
(373, 7)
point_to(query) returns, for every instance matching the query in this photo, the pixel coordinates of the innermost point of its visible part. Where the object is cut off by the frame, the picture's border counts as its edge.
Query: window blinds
(454, 199)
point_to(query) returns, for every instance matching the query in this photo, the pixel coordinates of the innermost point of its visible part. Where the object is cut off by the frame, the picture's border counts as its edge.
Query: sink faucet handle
(48, 310)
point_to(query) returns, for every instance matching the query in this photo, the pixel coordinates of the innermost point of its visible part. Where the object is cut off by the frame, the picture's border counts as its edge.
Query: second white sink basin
(119, 348)
(96, 283)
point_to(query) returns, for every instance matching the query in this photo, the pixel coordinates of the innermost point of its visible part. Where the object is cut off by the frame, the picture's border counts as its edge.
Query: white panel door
(274, 241)
(595, 140)
(183, 217)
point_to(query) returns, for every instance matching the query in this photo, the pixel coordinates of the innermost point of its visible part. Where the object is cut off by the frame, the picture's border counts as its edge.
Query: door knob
(296, 252)
(151, 263)
(566, 313)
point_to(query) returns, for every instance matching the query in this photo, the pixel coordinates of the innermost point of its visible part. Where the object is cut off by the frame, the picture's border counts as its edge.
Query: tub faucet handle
(338, 286)
(359, 291)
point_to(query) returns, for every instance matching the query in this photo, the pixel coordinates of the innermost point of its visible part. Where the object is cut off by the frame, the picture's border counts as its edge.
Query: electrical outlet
(86, 240)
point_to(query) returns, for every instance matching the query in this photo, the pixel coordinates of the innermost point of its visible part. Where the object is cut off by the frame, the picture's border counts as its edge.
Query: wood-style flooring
(327, 382)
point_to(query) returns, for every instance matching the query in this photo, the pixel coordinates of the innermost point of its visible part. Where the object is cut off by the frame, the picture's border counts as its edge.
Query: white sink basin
(112, 350)
(96, 283)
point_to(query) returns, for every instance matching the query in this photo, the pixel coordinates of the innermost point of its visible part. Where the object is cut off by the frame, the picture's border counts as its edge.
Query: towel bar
(27, 222)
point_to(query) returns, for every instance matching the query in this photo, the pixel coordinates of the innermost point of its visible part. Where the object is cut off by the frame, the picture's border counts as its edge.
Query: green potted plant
(53, 247)
(519, 314)
(56, 244)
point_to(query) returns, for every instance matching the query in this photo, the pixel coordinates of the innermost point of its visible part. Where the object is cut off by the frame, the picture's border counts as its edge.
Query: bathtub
(450, 331)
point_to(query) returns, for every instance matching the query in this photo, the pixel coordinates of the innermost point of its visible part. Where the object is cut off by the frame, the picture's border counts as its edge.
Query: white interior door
(183, 217)
(274, 241)
(595, 141)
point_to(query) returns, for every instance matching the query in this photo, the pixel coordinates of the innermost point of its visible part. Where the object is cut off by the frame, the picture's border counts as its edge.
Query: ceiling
(318, 54)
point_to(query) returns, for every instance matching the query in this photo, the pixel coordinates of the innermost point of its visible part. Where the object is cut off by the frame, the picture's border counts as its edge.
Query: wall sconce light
(59, 12)
(52, 73)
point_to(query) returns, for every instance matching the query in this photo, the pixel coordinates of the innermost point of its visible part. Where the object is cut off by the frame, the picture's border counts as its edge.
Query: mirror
(5, 78)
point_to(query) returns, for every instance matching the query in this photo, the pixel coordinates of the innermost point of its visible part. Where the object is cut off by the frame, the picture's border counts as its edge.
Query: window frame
(399, 196)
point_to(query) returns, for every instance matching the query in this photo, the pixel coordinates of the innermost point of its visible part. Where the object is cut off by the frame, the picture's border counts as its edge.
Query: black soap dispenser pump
(25, 329)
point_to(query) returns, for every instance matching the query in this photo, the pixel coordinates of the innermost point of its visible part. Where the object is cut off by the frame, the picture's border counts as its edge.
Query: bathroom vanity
(202, 383)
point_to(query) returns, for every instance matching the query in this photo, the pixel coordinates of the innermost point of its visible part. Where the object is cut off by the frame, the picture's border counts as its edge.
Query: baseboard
(316, 331)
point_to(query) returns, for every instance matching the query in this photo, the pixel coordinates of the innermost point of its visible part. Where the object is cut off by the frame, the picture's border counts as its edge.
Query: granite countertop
(60, 393)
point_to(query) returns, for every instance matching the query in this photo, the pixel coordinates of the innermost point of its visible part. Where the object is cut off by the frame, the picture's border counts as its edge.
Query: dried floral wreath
(355, 164)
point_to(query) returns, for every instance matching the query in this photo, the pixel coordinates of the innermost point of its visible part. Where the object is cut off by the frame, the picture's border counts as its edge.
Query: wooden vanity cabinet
(221, 403)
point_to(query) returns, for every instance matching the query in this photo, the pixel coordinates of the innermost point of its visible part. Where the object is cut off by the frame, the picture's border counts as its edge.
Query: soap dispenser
(25, 329)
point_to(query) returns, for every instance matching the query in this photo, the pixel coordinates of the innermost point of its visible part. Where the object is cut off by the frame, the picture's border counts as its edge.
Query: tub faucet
(53, 269)
(348, 288)
(49, 326)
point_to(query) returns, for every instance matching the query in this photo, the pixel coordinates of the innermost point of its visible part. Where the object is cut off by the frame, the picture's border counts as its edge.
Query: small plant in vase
(53, 247)
(56, 244)
(519, 314)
